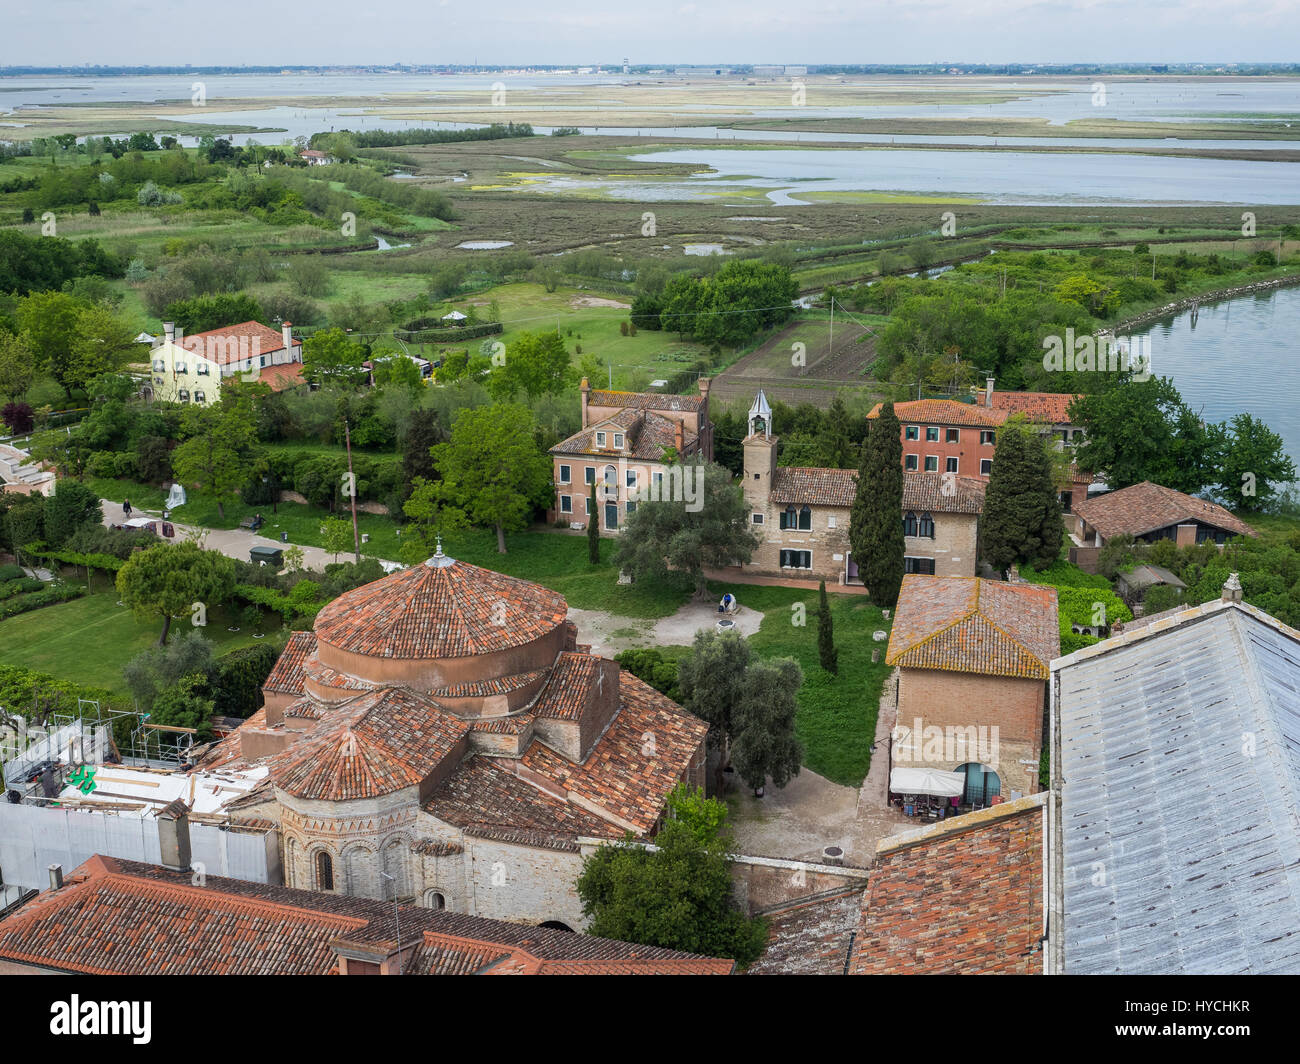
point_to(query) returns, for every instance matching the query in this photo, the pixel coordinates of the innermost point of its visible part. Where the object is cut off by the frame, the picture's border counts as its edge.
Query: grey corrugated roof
(1181, 849)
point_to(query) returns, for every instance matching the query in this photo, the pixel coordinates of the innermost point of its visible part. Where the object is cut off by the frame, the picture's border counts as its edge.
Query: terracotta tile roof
(940, 493)
(288, 675)
(304, 709)
(566, 691)
(1142, 508)
(647, 437)
(285, 375)
(437, 848)
(513, 725)
(966, 624)
(944, 412)
(332, 678)
(440, 611)
(646, 749)
(123, 917)
(824, 487)
(215, 344)
(811, 935)
(228, 749)
(966, 897)
(1049, 407)
(377, 743)
(499, 686)
(645, 401)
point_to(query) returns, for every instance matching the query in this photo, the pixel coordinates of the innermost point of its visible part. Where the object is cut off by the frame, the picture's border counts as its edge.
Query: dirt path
(611, 634)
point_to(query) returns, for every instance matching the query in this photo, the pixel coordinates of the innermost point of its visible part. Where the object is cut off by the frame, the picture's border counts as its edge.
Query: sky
(569, 32)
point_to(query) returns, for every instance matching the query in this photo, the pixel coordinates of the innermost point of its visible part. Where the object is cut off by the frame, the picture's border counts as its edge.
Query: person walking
(126, 508)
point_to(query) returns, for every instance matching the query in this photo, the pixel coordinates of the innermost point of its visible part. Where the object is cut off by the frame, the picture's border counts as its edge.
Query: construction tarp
(926, 781)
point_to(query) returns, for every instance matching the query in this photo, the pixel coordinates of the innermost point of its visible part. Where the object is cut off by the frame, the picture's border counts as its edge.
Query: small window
(796, 559)
(830, 521)
(600, 439)
(618, 440)
(659, 477)
(566, 504)
(912, 432)
(805, 519)
(159, 365)
(923, 566)
(180, 368)
(756, 518)
(324, 871)
(202, 369)
(909, 523)
(199, 397)
(932, 463)
(631, 478)
(566, 474)
(986, 464)
(925, 526)
(437, 900)
(931, 433)
(183, 396)
(611, 478)
(951, 435)
(950, 465)
(910, 462)
(263, 360)
(591, 474)
(587, 501)
(986, 438)
(631, 507)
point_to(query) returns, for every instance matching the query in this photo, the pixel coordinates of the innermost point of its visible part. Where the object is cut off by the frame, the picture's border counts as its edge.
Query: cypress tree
(1022, 515)
(830, 657)
(876, 517)
(593, 530)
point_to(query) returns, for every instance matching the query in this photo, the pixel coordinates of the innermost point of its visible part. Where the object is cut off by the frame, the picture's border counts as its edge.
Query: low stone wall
(1186, 303)
(764, 882)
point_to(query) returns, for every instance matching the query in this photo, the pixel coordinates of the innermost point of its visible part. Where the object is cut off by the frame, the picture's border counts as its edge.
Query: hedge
(289, 608)
(23, 584)
(415, 332)
(36, 599)
(107, 562)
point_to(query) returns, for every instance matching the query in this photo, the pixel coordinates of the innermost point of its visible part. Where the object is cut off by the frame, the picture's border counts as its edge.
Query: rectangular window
(587, 500)
(986, 438)
(952, 435)
(910, 462)
(566, 474)
(659, 478)
(566, 504)
(159, 365)
(202, 369)
(180, 368)
(986, 464)
(950, 465)
(618, 440)
(923, 566)
(199, 397)
(756, 518)
(931, 433)
(796, 559)
(631, 507)
(932, 463)
(912, 432)
(183, 396)
(830, 521)
(631, 478)
(591, 474)
(600, 439)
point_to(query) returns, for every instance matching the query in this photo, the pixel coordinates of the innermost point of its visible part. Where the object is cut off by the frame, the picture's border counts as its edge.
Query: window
(611, 478)
(566, 504)
(805, 519)
(796, 559)
(631, 478)
(756, 518)
(923, 566)
(931, 433)
(796, 519)
(180, 368)
(909, 523)
(986, 464)
(659, 477)
(600, 439)
(910, 462)
(925, 526)
(912, 432)
(950, 465)
(202, 369)
(951, 435)
(324, 871)
(932, 463)
(1204, 534)
(618, 440)
(830, 521)
(199, 397)
(437, 900)
(183, 396)
(566, 474)
(159, 365)
(789, 518)
(587, 502)
(986, 438)
(263, 361)
(591, 474)
(631, 507)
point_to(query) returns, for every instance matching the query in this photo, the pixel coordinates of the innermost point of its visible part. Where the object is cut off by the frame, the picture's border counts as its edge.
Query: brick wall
(522, 883)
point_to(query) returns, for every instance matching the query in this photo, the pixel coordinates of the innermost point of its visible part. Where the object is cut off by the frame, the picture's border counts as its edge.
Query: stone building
(802, 515)
(441, 736)
(974, 658)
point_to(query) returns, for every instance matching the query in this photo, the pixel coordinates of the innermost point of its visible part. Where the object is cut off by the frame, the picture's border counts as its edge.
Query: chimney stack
(169, 332)
(174, 836)
(988, 394)
(56, 876)
(286, 332)
(1232, 589)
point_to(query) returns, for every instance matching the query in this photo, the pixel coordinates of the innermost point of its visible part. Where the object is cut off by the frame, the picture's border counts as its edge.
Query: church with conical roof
(441, 736)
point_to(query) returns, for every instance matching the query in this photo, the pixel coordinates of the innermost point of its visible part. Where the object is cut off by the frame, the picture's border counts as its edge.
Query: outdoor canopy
(926, 781)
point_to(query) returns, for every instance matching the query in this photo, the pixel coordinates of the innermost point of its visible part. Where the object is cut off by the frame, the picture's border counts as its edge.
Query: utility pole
(832, 338)
(352, 491)
(397, 920)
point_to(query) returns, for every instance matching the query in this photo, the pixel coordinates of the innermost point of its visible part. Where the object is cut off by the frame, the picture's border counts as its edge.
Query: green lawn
(88, 640)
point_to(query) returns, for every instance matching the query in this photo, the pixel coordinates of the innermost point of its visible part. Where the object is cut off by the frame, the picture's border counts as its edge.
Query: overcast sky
(257, 32)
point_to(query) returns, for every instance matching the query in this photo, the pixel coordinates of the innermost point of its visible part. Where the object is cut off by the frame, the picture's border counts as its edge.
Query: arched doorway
(982, 784)
(556, 925)
(435, 899)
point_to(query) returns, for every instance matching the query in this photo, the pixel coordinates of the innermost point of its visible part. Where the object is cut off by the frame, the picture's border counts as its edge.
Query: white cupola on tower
(760, 416)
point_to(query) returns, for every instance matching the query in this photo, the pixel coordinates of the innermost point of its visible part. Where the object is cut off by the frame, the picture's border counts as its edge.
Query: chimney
(1232, 589)
(56, 876)
(169, 332)
(988, 394)
(174, 836)
(286, 332)
(678, 438)
(585, 388)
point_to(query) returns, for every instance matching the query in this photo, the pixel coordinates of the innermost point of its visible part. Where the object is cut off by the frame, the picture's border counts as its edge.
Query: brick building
(802, 515)
(973, 657)
(441, 736)
(622, 448)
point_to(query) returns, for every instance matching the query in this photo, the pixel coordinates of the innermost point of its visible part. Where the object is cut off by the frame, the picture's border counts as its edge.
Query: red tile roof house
(191, 369)
(116, 917)
(442, 734)
(1148, 512)
(802, 515)
(620, 449)
(974, 659)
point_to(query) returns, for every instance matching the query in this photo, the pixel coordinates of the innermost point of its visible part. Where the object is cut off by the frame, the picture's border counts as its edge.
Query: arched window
(435, 900)
(982, 784)
(925, 527)
(805, 519)
(909, 523)
(556, 925)
(790, 518)
(324, 871)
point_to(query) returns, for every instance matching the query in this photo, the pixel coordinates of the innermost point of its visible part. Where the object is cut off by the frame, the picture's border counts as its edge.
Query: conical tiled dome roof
(441, 609)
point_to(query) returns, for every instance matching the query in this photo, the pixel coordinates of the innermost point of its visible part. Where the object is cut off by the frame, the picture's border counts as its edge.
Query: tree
(876, 516)
(679, 896)
(765, 743)
(185, 705)
(213, 312)
(71, 506)
(826, 652)
(48, 320)
(19, 418)
(422, 432)
(707, 528)
(16, 371)
(536, 364)
(159, 668)
(217, 455)
(1022, 515)
(168, 581)
(1252, 462)
(337, 536)
(396, 369)
(329, 357)
(593, 528)
(99, 345)
(432, 516)
(712, 682)
(493, 469)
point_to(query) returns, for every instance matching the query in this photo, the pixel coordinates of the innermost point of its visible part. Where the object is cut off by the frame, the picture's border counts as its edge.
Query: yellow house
(190, 369)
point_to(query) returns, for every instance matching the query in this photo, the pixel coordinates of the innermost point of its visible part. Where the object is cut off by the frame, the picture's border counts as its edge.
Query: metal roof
(1179, 845)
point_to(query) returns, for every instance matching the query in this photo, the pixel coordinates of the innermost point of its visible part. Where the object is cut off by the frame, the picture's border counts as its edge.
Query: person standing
(126, 508)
